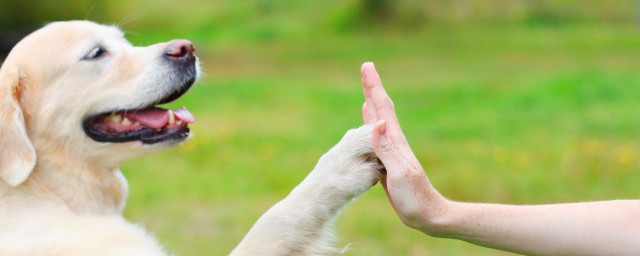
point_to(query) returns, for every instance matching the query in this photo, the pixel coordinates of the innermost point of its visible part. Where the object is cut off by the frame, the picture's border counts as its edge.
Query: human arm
(589, 228)
(593, 228)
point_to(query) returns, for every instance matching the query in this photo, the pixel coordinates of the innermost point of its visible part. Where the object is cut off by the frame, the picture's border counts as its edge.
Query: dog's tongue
(158, 118)
(184, 115)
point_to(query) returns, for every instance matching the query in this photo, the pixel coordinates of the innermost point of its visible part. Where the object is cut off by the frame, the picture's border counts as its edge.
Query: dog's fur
(61, 192)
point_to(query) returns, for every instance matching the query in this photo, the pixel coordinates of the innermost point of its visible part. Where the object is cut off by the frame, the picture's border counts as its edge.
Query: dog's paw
(350, 167)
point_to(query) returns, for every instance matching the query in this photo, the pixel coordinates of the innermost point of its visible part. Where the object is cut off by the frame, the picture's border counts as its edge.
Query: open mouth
(148, 125)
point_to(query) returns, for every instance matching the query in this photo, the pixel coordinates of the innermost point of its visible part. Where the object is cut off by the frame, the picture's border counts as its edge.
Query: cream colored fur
(62, 193)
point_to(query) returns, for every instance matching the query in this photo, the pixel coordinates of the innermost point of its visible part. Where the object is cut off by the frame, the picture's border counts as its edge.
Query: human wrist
(436, 219)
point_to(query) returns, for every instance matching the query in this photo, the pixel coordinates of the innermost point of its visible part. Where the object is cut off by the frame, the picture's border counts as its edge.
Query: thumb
(391, 158)
(382, 145)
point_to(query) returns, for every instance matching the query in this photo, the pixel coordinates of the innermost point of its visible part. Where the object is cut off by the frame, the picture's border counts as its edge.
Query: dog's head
(82, 90)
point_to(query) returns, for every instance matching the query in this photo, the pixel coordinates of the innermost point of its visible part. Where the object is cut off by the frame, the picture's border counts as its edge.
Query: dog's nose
(180, 50)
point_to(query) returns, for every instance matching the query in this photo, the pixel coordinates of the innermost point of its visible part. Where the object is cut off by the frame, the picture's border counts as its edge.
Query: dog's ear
(17, 155)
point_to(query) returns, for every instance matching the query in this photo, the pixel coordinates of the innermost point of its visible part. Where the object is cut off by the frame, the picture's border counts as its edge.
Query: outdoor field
(513, 112)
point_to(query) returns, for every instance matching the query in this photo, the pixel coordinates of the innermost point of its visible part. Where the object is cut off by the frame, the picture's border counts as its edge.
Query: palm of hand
(406, 184)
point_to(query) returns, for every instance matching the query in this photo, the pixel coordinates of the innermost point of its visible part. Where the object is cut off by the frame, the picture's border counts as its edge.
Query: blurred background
(506, 101)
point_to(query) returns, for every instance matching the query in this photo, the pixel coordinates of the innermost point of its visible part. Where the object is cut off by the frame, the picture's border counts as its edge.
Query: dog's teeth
(136, 123)
(126, 122)
(179, 122)
(116, 118)
(172, 119)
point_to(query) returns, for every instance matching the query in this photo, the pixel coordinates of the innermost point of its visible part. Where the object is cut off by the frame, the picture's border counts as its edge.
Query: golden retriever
(77, 99)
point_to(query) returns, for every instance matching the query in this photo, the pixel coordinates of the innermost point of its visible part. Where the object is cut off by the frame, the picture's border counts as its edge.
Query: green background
(520, 102)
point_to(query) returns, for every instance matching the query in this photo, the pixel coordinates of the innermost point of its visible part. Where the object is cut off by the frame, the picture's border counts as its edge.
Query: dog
(77, 99)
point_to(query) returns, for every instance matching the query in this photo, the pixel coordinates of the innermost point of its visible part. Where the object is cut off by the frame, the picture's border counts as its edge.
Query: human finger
(368, 116)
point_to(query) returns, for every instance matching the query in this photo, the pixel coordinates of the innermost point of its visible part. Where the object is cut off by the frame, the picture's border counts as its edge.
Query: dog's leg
(300, 224)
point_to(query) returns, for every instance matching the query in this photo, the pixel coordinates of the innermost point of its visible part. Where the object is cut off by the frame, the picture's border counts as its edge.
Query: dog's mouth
(148, 125)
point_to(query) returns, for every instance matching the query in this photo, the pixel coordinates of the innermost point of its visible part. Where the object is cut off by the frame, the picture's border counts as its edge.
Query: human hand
(415, 201)
(554, 229)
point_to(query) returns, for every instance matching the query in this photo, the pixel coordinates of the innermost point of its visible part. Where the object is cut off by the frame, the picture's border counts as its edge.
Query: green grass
(508, 115)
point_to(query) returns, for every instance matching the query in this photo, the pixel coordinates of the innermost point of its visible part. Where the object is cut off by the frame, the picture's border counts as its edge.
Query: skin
(590, 228)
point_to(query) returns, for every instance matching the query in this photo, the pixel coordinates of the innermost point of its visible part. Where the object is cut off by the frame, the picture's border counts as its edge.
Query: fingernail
(362, 68)
(368, 63)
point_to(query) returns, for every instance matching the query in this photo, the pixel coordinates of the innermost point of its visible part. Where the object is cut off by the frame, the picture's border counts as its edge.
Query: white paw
(350, 167)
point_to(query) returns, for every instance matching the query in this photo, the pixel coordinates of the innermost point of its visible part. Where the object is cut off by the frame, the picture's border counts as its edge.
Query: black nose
(180, 50)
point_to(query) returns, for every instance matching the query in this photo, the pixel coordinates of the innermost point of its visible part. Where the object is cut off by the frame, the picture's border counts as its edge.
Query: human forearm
(593, 228)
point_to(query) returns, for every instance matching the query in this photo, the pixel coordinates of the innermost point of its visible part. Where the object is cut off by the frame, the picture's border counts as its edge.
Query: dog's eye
(95, 53)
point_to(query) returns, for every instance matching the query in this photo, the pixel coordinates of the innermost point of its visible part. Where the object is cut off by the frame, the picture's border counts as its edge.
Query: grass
(509, 115)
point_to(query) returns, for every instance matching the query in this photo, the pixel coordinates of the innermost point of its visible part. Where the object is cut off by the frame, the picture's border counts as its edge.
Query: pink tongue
(158, 118)
(184, 115)
(152, 117)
